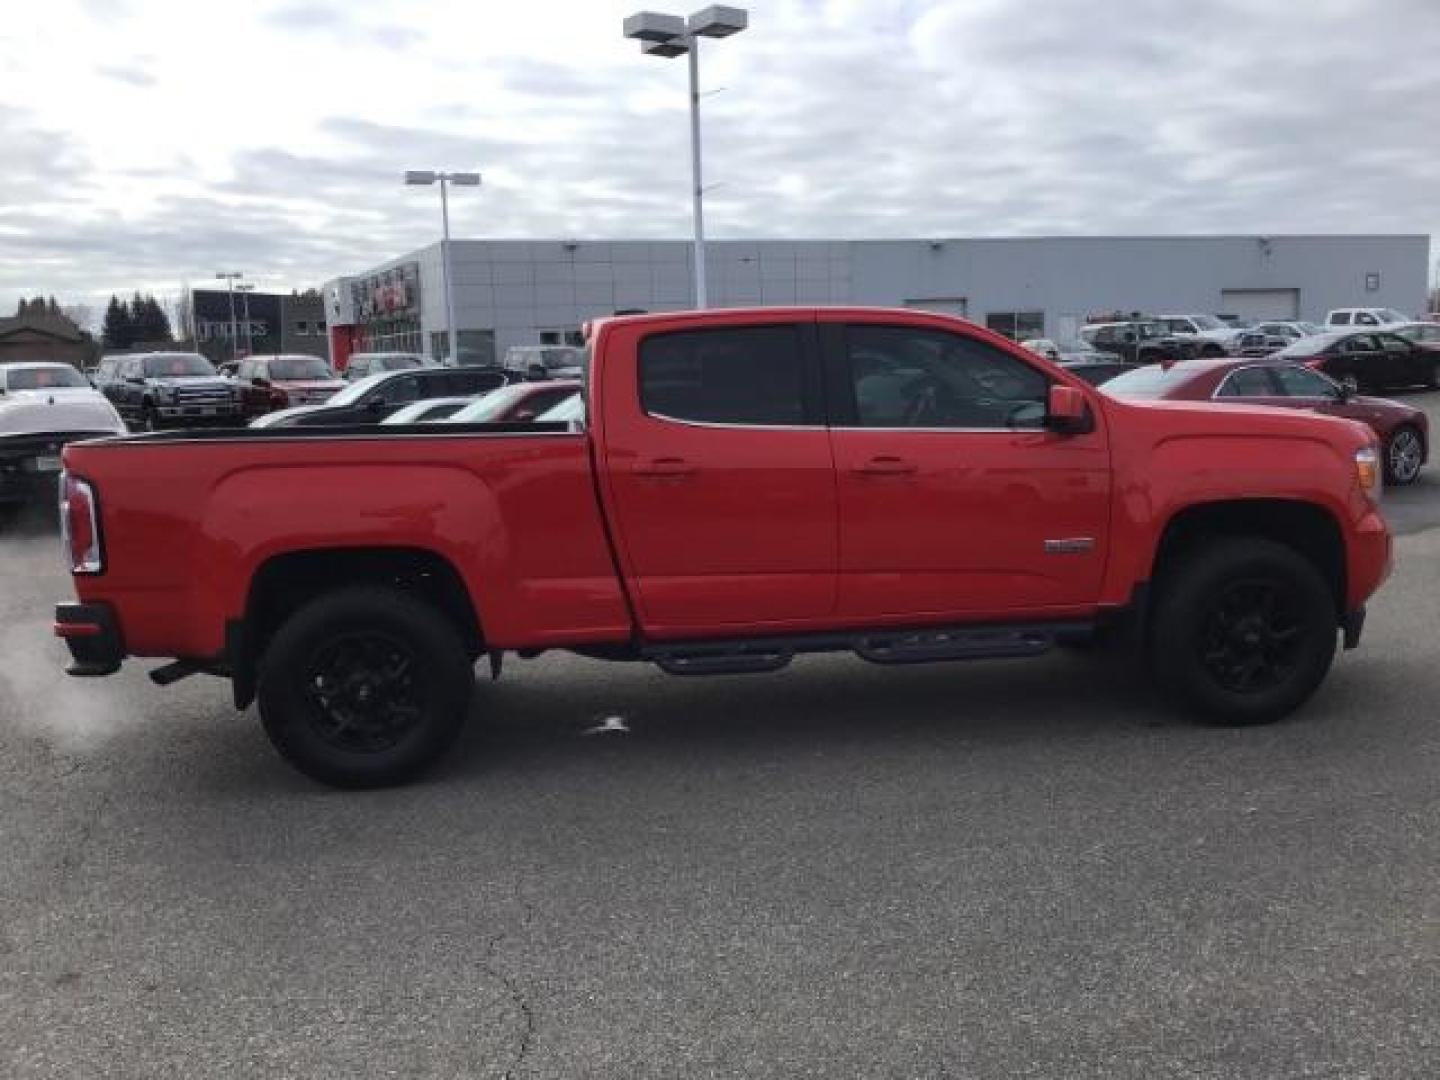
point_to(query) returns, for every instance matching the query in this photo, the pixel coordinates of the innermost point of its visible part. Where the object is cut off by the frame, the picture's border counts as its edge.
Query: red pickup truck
(749, 485)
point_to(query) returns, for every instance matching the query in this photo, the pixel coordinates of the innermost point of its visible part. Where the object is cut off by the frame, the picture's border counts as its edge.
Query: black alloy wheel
(365, 687)
(1244, 628)
(362, 691)
(1251, 635)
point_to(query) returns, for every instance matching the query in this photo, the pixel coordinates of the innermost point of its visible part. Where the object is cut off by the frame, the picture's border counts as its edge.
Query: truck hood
(59, 409)
(206, 382)
(1215, 418)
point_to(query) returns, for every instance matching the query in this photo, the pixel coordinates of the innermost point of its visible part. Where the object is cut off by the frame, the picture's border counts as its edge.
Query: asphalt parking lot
(994, 870)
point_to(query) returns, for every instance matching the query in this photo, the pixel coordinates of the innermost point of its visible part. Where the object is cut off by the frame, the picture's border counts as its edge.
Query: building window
(1017, 325)
(302, 327)
(476, 346)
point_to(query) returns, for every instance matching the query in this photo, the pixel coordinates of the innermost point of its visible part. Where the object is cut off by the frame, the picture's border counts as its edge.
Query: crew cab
(747, 486)
(170, 389)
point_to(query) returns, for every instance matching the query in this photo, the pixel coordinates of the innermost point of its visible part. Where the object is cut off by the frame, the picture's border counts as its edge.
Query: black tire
(1214, 647)
(399, 687)
(1404, 454)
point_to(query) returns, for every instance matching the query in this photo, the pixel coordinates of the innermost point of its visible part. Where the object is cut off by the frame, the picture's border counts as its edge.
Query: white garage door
(1261, 304)
(942, 305)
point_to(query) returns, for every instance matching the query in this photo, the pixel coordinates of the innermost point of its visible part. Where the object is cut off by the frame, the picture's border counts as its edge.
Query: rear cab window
(747, 376)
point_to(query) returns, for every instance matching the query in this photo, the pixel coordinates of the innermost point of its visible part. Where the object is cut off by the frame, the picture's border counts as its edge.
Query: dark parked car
(1403, 431)
(268, 383)
(372, 399)
(1367, 360)
(1141, 341)
(168, 389)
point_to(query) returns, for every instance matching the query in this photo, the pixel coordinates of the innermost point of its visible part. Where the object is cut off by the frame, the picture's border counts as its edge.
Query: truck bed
(189, 519)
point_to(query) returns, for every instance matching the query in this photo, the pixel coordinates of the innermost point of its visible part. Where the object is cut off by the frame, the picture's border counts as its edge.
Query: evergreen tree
(151, 322)
(22, 308)
(118, 330)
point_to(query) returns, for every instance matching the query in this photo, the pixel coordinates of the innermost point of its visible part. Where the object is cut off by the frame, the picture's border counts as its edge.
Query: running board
(929, 646)
(901, 646)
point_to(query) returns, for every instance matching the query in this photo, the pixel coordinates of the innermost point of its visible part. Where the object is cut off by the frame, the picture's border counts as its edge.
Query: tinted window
(931, 379)
(299, 367)
(1358, 344)
(45, 378)
(1302, 382)
(1391, 343)
(1340, 318)
(1247, 382)
(164, 365)
(1364, 318)
(396, 391)
(472, 382)
(745, 375)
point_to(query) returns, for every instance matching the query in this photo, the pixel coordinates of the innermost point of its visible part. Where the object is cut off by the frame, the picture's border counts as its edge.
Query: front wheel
(364, 687)
(1404, 454)
(1244, 631)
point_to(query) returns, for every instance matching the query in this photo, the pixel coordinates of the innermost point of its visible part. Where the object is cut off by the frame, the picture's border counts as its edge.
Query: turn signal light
(1367, 470)
(80, 525)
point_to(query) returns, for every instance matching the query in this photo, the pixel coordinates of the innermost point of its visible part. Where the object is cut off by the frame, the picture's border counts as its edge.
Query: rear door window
(1246, 383)
(746, 376)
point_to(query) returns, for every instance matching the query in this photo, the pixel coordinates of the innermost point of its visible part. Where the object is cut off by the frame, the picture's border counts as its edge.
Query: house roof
(59, 329)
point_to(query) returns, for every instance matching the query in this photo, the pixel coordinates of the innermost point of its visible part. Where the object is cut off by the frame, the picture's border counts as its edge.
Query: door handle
(665, 467)
(886, 465)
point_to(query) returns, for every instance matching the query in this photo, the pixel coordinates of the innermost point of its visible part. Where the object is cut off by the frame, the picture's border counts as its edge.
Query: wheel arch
(1305, 527)
(286, 582)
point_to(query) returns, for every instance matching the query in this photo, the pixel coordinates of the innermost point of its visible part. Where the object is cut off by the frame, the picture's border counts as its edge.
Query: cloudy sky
(150, 142)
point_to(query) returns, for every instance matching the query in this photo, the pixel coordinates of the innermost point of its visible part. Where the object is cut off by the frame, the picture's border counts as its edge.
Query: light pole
(423, 178)
(672, 35)
(230, 277)
(245, 291)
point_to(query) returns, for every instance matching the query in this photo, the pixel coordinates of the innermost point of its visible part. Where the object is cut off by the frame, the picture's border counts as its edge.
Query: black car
(168, 389)
(1141, 341)
(1366, 360)
(375, 397)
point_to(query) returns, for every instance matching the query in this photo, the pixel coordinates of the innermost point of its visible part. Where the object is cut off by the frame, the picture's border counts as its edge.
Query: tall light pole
(423, 178)
(230, 277)
(672, 35)
(245, 291)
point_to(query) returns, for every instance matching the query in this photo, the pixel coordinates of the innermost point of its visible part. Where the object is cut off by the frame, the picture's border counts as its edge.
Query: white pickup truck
(43, 406)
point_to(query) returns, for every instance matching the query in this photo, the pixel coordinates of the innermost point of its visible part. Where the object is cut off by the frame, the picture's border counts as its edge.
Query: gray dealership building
(522, 292)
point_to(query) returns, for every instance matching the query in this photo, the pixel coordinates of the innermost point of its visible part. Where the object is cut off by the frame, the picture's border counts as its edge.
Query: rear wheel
(1244, 631)
(364, 687)
(1404, 454)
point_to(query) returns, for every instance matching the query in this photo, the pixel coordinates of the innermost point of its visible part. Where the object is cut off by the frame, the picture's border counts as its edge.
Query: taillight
(1316, 364)
(80, 525)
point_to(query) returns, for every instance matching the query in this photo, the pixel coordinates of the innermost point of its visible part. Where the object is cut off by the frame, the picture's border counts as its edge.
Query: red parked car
(1403, 431)
(268, 383)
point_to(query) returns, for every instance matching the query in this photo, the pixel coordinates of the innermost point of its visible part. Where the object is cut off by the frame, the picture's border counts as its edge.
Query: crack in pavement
(517, 997)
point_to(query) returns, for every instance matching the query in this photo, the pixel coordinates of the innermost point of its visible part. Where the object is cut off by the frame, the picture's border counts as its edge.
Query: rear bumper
(30, 464)
(93, 635)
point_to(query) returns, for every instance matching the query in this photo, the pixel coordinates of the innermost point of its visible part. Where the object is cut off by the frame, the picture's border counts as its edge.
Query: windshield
(299, 367)
(1208, 322)
(44, 378)
(398, 363)
(560, 357)
(1313, 345)
(1151, 381)
(358, 389)
(1391, 315)
(165, 365)
(492, 405)
(572, 408)
(1311, 328)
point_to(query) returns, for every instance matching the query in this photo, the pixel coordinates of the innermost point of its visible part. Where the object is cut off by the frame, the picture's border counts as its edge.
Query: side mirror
(1066, 411)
